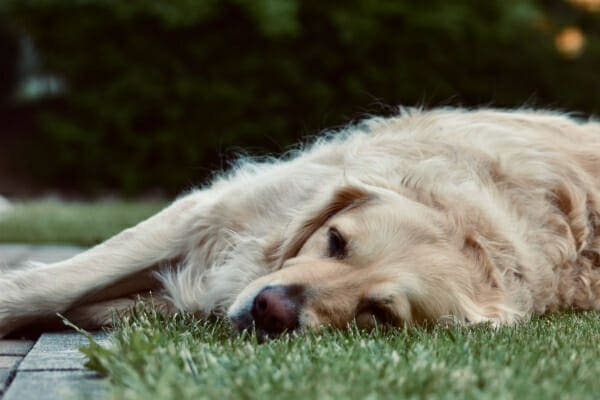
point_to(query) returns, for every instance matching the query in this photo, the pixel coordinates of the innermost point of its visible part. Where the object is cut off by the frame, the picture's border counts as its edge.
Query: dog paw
(5, 327)
(17, 291)
(6, 323)
(5, 309)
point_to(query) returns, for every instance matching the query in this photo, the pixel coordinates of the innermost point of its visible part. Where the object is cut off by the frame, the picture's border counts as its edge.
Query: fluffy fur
(471, 216)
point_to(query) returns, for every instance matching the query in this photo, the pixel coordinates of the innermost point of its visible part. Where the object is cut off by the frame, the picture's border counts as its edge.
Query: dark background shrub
(158, 93)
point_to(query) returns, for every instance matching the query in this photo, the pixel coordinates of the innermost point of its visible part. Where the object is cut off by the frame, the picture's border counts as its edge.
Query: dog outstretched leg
(40, 290)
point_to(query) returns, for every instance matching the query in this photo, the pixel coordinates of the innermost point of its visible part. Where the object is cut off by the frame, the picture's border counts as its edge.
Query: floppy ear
(478, 251)
(487, 248)
(313, 216)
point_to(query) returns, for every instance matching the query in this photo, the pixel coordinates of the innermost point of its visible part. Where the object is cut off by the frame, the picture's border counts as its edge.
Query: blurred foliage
(159, 90)
(8, 61)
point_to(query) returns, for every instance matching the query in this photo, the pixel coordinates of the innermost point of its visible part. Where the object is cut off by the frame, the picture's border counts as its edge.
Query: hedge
(162, 91)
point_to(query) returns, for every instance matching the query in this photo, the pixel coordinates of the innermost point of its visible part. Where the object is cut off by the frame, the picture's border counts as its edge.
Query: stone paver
(58, 351)
(5, 374)
(11, 352)
(15, 347)
(14, 254)
(56, 385)
(8, 362)
(52, 368)
(49, 253)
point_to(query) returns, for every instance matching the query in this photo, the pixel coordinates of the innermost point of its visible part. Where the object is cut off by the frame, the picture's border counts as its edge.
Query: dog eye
(336, 244)
(381, 315)
(372, 313)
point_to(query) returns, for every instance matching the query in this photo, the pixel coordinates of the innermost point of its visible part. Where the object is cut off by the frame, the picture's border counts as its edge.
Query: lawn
(554, 357)
(54, 221)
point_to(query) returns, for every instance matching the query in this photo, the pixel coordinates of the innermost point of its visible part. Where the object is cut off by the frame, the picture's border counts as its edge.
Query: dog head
(370, 255)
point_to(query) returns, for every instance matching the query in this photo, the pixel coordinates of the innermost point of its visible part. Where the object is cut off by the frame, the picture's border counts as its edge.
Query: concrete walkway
(50, 367)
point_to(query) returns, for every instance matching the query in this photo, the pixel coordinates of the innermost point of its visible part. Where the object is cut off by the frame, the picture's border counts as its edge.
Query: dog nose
(275, 310)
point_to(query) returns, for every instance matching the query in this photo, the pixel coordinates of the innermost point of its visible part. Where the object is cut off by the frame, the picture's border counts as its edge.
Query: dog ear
(577, 207)
(495, 262)
(477, 250)
(487, 248)
(314, 216)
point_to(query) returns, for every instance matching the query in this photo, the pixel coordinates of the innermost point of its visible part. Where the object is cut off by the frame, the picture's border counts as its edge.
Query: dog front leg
(41, 290)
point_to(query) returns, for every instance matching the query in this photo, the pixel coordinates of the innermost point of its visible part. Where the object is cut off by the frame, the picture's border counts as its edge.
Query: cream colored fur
(451, 214)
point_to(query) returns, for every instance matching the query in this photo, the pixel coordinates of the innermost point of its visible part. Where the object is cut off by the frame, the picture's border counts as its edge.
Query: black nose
(276, 308)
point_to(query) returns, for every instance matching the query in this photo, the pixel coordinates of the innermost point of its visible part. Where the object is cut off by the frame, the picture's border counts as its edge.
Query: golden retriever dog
(444, 215)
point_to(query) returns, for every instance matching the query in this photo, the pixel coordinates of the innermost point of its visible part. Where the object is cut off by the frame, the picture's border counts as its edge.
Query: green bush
(160, 92)
(8, 61)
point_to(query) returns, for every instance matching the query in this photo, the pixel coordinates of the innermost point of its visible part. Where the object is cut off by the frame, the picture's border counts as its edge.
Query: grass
(182, 358)
(53, 221)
